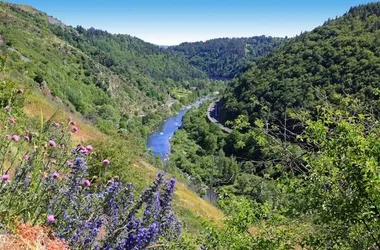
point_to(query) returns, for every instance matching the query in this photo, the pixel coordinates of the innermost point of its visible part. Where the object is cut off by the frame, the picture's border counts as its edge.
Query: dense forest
(341, 57)
(224, 58)
(299, 166)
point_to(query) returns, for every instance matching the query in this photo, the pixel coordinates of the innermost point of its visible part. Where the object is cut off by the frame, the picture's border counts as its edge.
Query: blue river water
(159, 141)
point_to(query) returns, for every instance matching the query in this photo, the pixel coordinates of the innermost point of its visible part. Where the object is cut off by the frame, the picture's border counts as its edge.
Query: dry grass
(184, 197)
(37, 104)
(31, 238)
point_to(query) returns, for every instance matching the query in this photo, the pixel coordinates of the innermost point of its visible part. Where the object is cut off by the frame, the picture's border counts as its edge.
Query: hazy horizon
(171, 22)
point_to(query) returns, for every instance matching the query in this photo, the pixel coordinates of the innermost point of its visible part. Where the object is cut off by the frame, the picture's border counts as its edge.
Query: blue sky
(174, 21)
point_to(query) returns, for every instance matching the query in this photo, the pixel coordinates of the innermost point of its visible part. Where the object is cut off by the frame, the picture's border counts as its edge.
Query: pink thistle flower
(52, 143)
(20, 91)
(87, 183)
(8, 108)
(109, 182)
(55, 175)
(106, 162)
(57, 125)
(8, 137)
(74, 129)
(26, 157)
(12, 121)
(26, 138)
(73, 123)
(89, 148)
(50, 218)
(70, 163)
(83, 151)
(6, 177)
(15, 138)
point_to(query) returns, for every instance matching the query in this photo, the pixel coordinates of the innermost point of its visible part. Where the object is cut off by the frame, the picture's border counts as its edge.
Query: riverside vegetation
(299, 170)
(300, 167)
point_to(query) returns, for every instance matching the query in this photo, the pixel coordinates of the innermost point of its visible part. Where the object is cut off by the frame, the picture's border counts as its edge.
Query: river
(159, 141)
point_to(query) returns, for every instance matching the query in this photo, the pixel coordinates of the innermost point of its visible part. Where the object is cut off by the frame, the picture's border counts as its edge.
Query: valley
(110, 142)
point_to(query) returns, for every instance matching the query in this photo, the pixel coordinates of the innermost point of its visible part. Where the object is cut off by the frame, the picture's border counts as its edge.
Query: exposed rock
(23, 58)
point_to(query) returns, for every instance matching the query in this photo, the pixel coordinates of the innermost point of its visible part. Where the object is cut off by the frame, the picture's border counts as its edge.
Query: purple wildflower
(87, 183)
(15, 138)
(55, 175)
(12, 121)
(6, 177)
(52, 143)
(50, 218)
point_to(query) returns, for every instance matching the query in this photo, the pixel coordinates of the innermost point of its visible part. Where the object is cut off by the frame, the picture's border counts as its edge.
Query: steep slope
(110, 79)
(58, 68)
(127, 164)
(62, 79)
(341, 57)
(223, 58)
(132, 58)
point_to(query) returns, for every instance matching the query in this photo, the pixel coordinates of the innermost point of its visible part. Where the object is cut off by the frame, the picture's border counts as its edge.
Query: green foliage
(341, 187)
(340, 57)
(223, 58)
(102, 76)
(197, 150)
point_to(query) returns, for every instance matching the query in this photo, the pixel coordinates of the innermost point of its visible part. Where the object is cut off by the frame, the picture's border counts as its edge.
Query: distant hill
(223, 58)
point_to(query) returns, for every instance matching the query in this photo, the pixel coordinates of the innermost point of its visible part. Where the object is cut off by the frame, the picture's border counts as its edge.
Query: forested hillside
(300, 167)
(224, 58)
(341, 57)
(117, 81)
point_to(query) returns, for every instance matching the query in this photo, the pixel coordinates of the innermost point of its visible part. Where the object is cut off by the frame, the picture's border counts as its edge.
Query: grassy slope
(63, 71)
(189, 206)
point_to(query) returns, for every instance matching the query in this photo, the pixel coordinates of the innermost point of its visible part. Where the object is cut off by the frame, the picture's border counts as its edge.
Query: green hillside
(341, 57)
(117, 81)
(224, 58)
(300, 169)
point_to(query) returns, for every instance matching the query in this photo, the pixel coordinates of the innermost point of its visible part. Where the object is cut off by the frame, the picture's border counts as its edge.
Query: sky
(171, 22)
